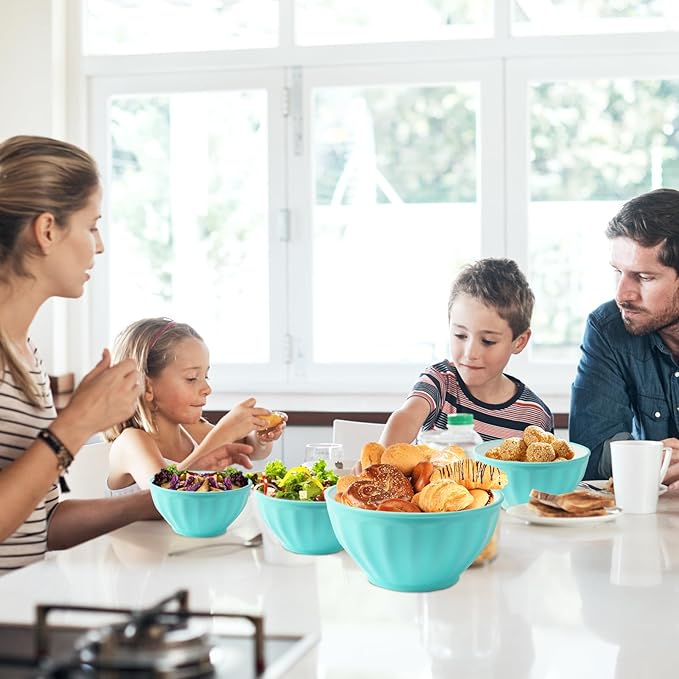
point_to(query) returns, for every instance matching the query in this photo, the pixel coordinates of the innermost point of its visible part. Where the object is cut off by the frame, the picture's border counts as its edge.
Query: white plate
(603, 485)
(525, 513)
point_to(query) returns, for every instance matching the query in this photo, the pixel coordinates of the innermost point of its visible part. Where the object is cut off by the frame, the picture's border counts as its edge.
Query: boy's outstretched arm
(404, 424)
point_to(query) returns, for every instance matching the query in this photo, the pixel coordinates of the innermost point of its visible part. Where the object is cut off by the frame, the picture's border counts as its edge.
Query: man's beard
(669, 317)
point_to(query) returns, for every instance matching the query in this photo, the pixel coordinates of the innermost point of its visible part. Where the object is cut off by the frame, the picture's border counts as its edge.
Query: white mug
(638, 470)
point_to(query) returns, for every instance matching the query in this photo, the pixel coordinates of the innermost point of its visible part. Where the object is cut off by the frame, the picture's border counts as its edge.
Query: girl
(167, 426)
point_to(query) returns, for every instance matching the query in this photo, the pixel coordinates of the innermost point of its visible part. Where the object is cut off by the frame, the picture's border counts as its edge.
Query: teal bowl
(413, 552)
(199, 515)
(302, 527)
(549, 477)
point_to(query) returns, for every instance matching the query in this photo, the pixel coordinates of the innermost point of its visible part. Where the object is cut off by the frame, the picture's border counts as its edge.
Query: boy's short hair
(498, 283)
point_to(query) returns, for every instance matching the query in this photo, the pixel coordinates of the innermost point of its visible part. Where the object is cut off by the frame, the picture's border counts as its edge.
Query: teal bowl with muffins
(556, 477)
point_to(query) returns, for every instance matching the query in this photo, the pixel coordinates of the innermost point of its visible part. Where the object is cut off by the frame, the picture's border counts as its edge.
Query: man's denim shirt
(625, 387)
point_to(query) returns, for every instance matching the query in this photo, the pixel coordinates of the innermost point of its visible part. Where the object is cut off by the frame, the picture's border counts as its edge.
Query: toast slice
(575, 502)
(555, 512)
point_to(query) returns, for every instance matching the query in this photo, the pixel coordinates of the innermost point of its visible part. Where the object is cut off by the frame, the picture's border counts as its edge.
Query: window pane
(148, 26)
(395, 216)
(189, 232)
(595, 144)
(576, 17)
(328, 22)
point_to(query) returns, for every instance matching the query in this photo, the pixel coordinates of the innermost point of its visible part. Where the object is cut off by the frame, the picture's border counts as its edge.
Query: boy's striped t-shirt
(441, 386)
(20, 422)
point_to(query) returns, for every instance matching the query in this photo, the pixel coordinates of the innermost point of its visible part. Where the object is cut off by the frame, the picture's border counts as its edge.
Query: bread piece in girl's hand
(272, 420)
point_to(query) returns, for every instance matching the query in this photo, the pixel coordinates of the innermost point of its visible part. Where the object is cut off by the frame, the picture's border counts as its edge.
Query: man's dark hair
(650, 219)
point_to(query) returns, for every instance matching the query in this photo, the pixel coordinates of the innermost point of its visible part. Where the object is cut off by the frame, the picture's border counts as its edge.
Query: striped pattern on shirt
(20, 422)
(442, 387)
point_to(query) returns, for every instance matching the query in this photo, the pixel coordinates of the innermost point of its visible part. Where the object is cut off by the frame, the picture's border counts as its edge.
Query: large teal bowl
(550, 477)
(302, 527)
(413, 552)
(199, 515)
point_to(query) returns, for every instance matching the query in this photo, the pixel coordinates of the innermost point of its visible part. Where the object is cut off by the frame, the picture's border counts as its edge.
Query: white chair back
(353, 436)
(87, 474)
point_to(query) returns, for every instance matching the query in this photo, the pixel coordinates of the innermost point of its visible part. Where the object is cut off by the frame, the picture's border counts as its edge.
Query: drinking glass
(332, 453)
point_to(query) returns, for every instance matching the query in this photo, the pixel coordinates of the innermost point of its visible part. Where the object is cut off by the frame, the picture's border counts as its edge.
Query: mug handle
(667, 457)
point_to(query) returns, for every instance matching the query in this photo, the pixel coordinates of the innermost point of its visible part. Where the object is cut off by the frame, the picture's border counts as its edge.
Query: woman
(50, 203)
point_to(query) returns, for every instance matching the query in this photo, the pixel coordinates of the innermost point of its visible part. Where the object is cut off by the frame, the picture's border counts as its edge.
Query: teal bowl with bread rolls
(559, 475)
(413, 552)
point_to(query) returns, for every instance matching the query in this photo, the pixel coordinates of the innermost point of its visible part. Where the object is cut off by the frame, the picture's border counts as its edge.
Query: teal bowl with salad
(291, 502)
(199, 504)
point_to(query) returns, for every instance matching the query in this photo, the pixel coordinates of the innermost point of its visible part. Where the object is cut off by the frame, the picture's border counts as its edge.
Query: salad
(296, 483)
(199, 482)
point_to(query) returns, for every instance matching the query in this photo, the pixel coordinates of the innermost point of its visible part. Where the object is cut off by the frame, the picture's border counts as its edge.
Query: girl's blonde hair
(37, 175)
(150, 342)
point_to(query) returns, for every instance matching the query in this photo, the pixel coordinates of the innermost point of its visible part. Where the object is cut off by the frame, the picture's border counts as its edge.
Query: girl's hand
(240, 421)
(224, 456)
(275, 433)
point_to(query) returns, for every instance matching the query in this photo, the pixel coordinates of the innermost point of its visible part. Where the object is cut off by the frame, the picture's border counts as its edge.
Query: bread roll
(403, 456)
(365, 494)
(371, 453)
(422, 472)
(481, 498)
(390, 478)
(344, 482)
(397, 505)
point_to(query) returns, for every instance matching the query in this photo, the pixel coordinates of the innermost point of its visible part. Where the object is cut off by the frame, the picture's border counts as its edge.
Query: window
(150, 26)
(303, 184)
(563, 17)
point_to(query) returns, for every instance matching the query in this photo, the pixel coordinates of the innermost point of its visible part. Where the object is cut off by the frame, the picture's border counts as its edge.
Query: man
(627, 382)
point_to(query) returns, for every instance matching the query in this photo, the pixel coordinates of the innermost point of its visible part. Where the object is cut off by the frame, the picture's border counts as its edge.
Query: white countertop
(600, 601)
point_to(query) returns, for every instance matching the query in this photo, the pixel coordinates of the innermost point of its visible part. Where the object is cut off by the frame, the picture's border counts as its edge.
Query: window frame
(270, 80)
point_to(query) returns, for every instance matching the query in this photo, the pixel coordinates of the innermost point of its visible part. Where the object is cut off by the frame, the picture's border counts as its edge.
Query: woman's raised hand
(107, 395)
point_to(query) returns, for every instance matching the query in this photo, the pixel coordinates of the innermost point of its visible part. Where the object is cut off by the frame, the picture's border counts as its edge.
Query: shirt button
(656, 413)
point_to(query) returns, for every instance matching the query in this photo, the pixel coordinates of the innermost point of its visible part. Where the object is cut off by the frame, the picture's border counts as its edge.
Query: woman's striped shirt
(20, 422)
(442, 387)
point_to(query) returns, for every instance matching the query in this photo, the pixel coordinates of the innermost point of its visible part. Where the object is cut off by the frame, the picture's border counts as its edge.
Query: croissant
(444, 496)
(471, 474)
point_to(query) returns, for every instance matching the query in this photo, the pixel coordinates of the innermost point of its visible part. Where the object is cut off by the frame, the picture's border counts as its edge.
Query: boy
(489, 311)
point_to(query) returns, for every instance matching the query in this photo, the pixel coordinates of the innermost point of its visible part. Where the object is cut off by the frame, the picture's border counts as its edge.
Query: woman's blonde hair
(151, 343)
(37, 175)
